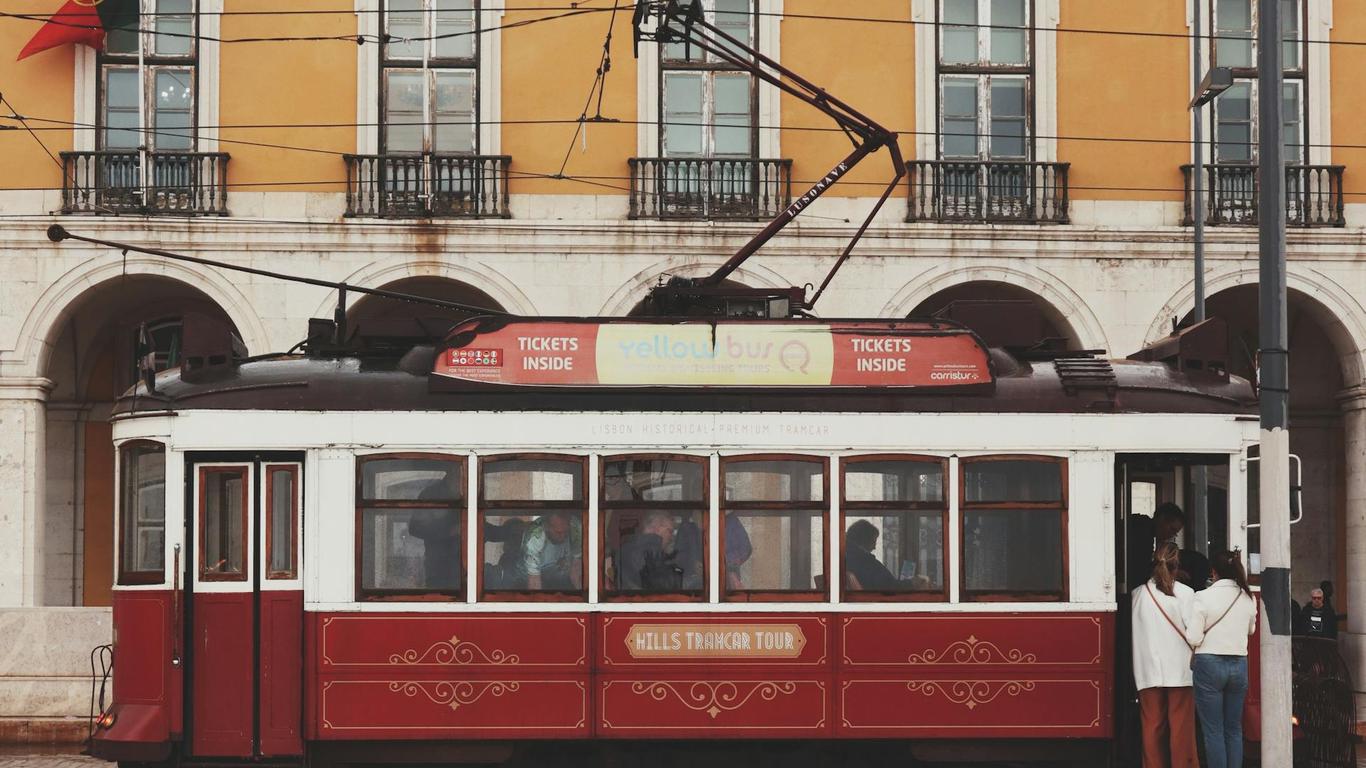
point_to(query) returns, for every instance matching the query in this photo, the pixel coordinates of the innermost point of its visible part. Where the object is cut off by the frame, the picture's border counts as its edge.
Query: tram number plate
(478, 358)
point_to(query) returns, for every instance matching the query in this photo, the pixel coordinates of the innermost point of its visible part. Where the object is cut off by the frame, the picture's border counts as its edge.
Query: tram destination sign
(591, 353)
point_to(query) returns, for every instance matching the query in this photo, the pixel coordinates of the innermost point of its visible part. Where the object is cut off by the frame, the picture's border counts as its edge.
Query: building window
(142, 513)
(654, 527)
(1014, 518)
(411, 513)
(773, 536)
(709, 107)
(532, 512)
(1234, 46)
(895, 513)
(429, 75)
(984, 79)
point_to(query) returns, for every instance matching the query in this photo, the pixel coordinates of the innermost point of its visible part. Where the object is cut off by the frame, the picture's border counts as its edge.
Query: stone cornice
(25, 388)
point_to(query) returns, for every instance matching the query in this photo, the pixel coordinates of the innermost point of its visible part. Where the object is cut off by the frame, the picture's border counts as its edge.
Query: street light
(1215, 82)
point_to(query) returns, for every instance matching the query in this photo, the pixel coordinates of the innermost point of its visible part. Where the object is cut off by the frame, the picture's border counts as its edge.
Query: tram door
(245, 609)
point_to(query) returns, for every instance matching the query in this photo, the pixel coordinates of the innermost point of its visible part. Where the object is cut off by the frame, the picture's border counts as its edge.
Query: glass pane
(1012, 550)
(960, 11)
(654, 551)
(733, 17)
(1007, 13)
(777, 551)
(1290, 34)
(121, 109)
(222, 494)
(411, 480)
(959, 44)
(960, 138)
(654, 479)
(282, 509)
(1007, 139)
(1235, 142)
(1007, 98)
(1008, 45)
(775, 480)
(403, 25)
(122, 40)
(680, 51)
(1012, 480)
(403, 100)
(174, 28)
(1290, 114)
(894, 480)
(142, 507)
(411, 549)
(960, 117)
(732, 102)
(174, 110)
(454, 112)
(527, 550)
(682, 113)
(1235, 103)
(1233, 26)
(894, 552)
(455, 17)
(533, 480)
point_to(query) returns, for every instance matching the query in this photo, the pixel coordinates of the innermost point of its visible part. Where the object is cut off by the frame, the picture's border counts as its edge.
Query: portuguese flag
(82, 21)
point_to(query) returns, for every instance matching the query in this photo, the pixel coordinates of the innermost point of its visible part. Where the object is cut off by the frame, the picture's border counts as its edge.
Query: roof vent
(1195, 349)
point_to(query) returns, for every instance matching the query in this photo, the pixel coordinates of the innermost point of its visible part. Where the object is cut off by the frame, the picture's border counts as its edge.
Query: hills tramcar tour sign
(589, 353)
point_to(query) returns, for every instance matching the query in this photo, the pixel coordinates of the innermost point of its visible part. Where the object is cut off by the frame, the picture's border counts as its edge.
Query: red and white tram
(581, 536)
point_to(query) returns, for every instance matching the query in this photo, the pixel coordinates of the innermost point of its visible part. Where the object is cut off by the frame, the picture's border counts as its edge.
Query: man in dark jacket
(863, 569)
(1318, 618)
(647, 558)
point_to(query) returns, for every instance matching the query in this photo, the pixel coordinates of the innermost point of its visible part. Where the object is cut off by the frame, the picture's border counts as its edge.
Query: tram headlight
(106, 720)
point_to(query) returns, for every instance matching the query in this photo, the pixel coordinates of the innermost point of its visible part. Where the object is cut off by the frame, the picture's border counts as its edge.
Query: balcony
(1313, 195)
(427, 186)
(709, 188)
(988, 191)
(150, 183)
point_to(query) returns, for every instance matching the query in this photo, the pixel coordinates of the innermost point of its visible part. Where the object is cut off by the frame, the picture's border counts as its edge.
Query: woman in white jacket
(1224, 615)
(1162, 668)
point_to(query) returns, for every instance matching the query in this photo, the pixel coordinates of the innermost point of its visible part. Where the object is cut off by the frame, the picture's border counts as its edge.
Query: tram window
(894, 517)
(773, 533)
(223, 506)
(282, 516)
(654, 526)
(1014, 523)
(532, 512)
(142, 512)
(412, 522)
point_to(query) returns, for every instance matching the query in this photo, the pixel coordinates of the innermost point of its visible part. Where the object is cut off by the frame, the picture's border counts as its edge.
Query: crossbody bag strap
(1236, 598)
(1170, 623)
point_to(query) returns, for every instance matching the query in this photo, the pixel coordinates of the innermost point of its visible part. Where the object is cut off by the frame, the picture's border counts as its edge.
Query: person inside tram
(439, 529)
(738, 549)
(648, 557)
(552, 553)
(1145, 534)
(508, 572)
(861, 569)
(690, 552)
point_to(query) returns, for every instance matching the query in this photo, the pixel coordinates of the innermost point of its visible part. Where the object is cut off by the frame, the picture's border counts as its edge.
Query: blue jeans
(1220, 687)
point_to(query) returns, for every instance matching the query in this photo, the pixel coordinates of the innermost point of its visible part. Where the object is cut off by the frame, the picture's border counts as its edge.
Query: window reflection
(532, 514)
(1013, 514)
(412, 525)
(773, 536)
(894, 513)
(654, 513)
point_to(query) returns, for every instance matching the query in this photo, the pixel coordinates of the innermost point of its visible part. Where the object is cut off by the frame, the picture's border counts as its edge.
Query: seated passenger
(648, 557)
(864, 570)
(552, 553)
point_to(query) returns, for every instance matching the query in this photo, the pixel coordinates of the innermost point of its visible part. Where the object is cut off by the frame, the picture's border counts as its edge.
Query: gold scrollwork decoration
(973, 651)
(454, 651)
(715, 698)
(970, 693)
(455, 695)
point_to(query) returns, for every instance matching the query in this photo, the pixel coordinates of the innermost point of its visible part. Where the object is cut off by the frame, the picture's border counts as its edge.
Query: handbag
(1172, 624)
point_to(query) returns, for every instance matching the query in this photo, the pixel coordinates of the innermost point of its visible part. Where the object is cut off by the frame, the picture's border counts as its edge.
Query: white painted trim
(473, 526)
(926, 87)
(1206, 126)
(490, 79)
(591, 530)
(714, 572)
(952, 556)
(1320, 84)
(1046, 80)
(647, 101)
(834, 522)
(736, 607)
(86, 101)
(367, 78)
(207, 75)
(770, 97)
(263, 566)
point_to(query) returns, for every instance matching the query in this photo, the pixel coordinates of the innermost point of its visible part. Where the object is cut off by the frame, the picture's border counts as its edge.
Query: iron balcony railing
(709, 187)
(1313, 195)
(145, 182)
(989, 191)
(427, 186)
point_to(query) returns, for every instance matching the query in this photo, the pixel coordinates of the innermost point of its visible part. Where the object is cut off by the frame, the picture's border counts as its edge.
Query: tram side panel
(146, 711)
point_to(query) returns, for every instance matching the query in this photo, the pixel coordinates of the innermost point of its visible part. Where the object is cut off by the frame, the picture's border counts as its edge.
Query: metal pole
(1199, 506)
(1273, 376)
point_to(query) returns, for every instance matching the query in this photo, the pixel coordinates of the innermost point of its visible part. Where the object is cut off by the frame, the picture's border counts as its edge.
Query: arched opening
(368, 309)
(1019, 310)
(1318, 341)
(92, 360)
(640, 308)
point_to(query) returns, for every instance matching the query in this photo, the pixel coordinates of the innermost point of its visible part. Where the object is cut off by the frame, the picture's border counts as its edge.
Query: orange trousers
(1168, 727)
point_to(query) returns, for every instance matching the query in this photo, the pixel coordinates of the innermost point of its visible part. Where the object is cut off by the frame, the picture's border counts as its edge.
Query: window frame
(966, 595)
(708, 69)
(701, 508)
(724, 506)
(460, 505)
(903, 509)
(268, 469)
(248, 513)
(581, 507)
(1248, 75)
(429, 64)
(983, 72)
(151, 63)
(125, 575)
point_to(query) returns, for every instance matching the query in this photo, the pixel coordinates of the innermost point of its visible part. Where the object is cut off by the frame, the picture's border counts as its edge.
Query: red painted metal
(146, 693)
(281, 673)
(223, 671)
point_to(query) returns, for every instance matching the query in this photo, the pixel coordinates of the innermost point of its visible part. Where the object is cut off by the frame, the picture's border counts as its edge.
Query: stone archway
(1054, 322)
(371, 308)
